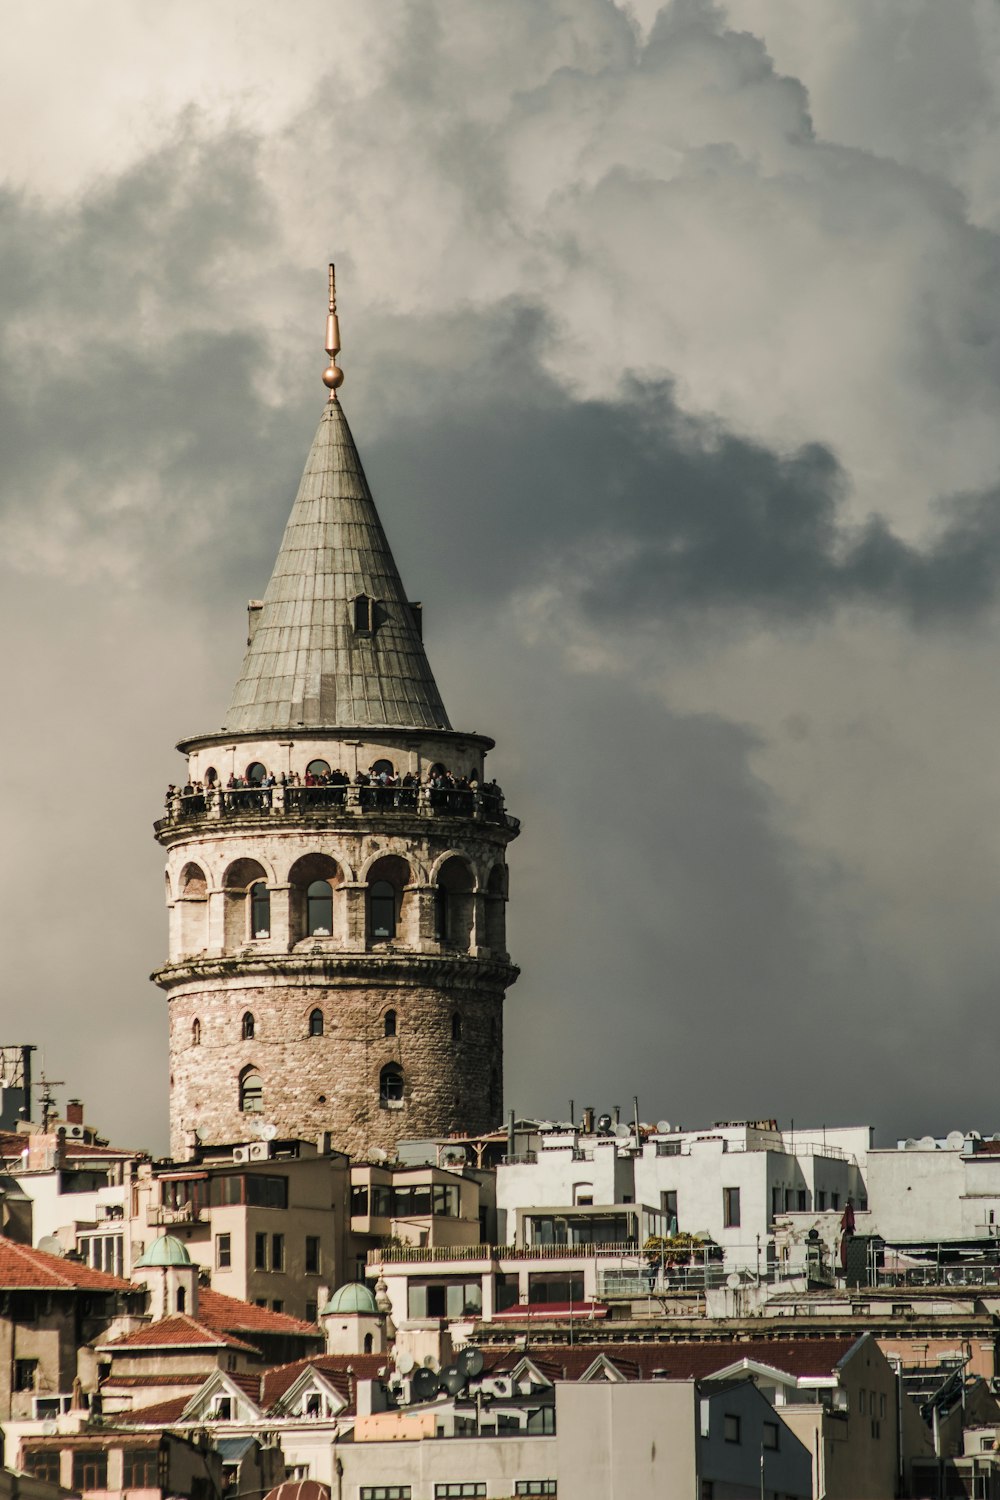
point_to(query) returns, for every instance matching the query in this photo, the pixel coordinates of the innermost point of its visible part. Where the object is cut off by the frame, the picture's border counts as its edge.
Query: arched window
(369, 1343)
(390, 1087)
(251, 1093)
(319, 909)
(456, 1027)
(390, 1023)
(318, 768)
(196, 1033)
(382, 904)
(255, 773)
(248, 1027)
(211, 776)
(380, 766)
(454, 903)
(182, 1298)
(260, 910)
(316, 1023)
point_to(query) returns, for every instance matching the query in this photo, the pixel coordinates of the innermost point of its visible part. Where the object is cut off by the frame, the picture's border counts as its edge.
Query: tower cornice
(349, 970)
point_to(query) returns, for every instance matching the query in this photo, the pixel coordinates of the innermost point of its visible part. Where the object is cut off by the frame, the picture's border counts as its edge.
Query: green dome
(166, 1251)
(352, 1297)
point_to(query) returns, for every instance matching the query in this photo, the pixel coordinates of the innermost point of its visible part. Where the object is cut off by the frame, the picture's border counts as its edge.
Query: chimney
(74, 1112)
(616, 1115)
(588, 1120)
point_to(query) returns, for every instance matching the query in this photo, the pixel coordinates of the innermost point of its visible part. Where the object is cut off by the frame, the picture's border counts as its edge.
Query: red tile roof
(230, 1315)
(22, 1268)
(180, 1331)
(680, 1361)
(161, 1414)
(337, 1368)
(14, 1143)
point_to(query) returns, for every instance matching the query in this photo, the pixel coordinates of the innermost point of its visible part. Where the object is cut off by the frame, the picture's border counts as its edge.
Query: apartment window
(25, 1373)
(260, 1252)
(43, 1463)
(90, 1469)
(731, 1207)
(445, 1299)
(224, 1251)
(312, 1254)
(769, 1436)
(470, 1489)
(821, 1199)
(803, 1200)
(277, 1305)
(788, 1200)
(668, 1203)
(535, 1487)
(668, 1148)
(835, 1200)
(141, 1469)
(277, 1252)
(312, 1309)
(861, 1402)
(222, 1411)
(731, 1428)
(541, 1421)
(384, 1492)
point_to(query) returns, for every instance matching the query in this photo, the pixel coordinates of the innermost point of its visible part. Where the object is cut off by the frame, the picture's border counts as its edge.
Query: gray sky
(672, 340)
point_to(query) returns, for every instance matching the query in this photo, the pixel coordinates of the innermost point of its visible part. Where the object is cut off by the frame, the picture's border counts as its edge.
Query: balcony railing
(423, 1254)
(337, 801)
(160, 1214)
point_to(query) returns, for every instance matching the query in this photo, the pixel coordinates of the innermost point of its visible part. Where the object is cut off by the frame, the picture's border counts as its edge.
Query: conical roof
(308, 664)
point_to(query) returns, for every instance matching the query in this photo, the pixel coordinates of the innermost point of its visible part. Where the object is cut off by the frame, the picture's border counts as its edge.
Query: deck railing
(219, 802)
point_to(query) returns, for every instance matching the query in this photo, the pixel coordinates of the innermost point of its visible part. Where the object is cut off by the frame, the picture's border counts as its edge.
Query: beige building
(335, 871)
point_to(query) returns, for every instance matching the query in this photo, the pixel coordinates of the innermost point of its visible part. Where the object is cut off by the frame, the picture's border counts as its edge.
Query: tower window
(256, 773)
(260, 910)
(316, 1023)
(364, 614)
(196, 1033)
(391, 1087)
(318, 768)
(251, 1093)
(456, 1027)
(382, 901)
(248, 1027)
(383, 767)
(390, 1023)
(319, 909)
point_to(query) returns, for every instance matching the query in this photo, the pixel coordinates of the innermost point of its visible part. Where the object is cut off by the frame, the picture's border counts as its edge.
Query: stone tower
(336, 876)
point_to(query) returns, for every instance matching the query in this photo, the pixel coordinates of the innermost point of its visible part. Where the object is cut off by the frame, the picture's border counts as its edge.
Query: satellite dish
(470, 1361)
(425, 1385)
(267, 1132)
(927, 1143)
(733, 1280)
(404, 1361)
(452, 1379)
(50, 1244)
(909, 1144)
(955, 1140)
(379, 1153)
(604, 1124)
(623, 1132)
(430, 1363)
(663, 1126)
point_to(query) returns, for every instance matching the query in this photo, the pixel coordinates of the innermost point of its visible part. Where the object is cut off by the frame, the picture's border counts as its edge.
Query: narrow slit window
(364, 614)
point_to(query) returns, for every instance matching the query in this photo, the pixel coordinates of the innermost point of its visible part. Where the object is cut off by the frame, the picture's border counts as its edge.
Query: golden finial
(333, 375)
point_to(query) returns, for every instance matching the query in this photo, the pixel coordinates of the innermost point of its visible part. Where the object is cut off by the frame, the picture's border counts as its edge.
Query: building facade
(336, 874)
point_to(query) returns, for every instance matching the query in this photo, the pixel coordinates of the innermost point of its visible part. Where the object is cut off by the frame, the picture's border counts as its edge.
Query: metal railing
(423, 1254)
(953, 1275)
(520, 1159)
(485, 806)
(739, 1148)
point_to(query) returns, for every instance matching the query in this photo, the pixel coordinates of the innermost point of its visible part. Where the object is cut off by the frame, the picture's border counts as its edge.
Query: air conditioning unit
(259, 1151)
(242, 1153)
(76, 1132)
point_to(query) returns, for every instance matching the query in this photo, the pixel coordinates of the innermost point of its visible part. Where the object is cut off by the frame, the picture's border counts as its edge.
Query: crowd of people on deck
(379, 789)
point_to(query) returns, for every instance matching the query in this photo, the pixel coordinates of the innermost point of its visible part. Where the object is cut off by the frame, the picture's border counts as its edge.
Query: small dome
(352, 1297)
(168, 1250)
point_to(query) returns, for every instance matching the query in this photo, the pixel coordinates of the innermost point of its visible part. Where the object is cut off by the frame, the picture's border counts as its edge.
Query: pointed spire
(333, 375)
(336, 643)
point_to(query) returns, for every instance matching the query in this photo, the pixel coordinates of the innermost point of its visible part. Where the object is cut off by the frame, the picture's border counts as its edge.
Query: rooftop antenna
(333, 375)
(48, 1099)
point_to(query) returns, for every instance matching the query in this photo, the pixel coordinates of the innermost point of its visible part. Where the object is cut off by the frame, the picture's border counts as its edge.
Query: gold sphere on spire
(333, 376)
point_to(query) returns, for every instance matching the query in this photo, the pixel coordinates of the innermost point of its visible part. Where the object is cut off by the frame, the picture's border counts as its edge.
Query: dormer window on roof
(364, 615)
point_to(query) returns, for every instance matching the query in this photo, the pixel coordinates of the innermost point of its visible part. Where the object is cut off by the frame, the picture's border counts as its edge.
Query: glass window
(384, 1492)
(391, 1087)
(25, 1372)
(468, 1489)
(319, 909)
(542, 1421)
(260, 1252)
(277, 1252)
(316, 1023)
(224, 1251)
(256, 773)
(731, 1428)
(359, 1201)
(382, 910)
(312, 1254)
(260, 910)
(251, 1094)
(731, 1207)
(141, 1469)
(390, 1023)
(248, 1027)
(43, 1463)
(535, 1487)
(90, 1469)
(769, 1435)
